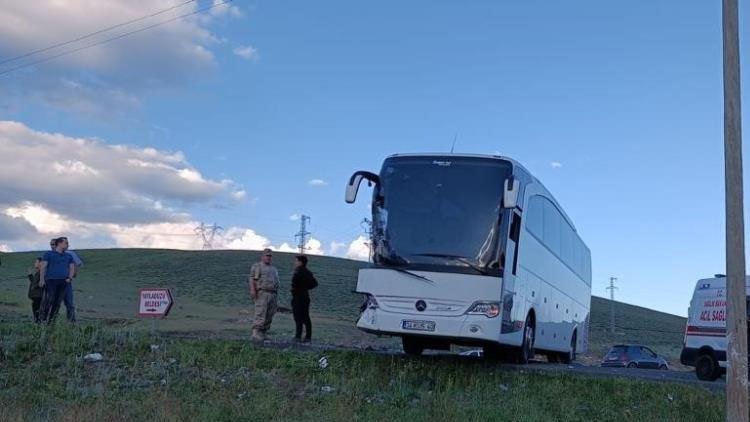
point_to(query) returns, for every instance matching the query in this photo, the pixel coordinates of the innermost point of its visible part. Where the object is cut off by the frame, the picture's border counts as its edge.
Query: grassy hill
(211, 298)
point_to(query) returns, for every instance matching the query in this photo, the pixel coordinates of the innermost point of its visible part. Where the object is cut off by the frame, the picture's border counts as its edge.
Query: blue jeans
(55, 292)
(68, 300)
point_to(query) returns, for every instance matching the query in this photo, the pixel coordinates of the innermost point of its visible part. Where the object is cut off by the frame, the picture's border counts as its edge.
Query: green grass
(211, 298)
(43, 377)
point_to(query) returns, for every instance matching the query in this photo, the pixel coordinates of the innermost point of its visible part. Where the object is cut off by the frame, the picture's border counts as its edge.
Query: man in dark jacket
(36, 293)
(302, 282)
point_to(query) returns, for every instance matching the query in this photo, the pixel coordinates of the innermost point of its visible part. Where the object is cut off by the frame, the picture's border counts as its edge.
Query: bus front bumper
(468, 329)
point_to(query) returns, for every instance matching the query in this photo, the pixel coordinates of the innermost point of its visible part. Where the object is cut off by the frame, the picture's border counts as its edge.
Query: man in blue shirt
(57, 270)
(68, 298)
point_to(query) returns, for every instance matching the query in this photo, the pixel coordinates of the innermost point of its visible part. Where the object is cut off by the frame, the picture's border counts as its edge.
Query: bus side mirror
(352, 188)
(510, 195)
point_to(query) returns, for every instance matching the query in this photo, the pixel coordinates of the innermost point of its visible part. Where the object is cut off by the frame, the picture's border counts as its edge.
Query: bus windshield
(440, 212)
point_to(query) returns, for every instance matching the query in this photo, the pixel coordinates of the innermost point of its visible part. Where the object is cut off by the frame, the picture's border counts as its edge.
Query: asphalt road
(649, 375)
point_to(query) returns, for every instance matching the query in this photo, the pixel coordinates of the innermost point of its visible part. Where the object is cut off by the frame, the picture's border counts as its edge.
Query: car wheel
(706, 368)
(663, 367)
(632, 365)
(412, 346)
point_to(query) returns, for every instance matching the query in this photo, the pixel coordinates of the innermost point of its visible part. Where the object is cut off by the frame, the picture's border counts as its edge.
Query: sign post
(154, 303)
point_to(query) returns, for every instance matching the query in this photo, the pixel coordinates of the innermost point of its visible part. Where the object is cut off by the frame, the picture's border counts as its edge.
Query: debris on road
(93, 357)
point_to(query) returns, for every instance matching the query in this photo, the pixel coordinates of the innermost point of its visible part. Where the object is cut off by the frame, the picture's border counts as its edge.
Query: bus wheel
(568, 358)
(412, 346)
(553, 357)
(706, 368)
(527, 346)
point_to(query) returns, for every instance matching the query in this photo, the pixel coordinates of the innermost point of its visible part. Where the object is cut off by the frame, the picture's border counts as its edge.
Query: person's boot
(258, 337)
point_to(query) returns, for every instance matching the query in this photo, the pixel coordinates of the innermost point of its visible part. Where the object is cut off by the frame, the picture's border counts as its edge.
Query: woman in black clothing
(302, 282)
(36, 293)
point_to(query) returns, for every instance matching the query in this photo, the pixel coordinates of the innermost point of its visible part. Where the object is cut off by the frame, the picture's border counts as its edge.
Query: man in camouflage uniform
(264, 286)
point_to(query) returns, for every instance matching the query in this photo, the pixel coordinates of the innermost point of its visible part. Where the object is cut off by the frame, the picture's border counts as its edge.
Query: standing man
(264, 286)
(57, 270)
(302, 282)
(68, 298)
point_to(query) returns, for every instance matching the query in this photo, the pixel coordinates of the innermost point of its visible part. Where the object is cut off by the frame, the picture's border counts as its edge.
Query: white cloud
(312, 247)
(336, 248)
(317, 182)
(14, 228)
(96, 182)
(239, 195)
(5, 248)
(246, 52)
(223, 10)
(110, 77)
(556, 164)
(43, 220)
(243, 238)
(294, 217)
(359, 249)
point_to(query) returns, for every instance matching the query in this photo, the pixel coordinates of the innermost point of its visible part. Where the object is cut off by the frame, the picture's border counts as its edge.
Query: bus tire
(706, 367)
(412, 346)
(570, 356)
(526, 352)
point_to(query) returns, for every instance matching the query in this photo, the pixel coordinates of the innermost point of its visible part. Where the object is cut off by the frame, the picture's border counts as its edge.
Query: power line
(107, 40)
(89, 35)
(303, 235)
(208, 233)
(612, 289)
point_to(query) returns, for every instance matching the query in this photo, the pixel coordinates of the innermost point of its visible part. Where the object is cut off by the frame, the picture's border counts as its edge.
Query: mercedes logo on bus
(421, 305)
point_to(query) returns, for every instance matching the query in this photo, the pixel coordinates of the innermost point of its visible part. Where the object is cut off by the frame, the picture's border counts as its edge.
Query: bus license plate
(418, 325)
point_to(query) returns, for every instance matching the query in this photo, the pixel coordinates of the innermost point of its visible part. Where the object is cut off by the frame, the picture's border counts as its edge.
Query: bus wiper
(461, 259)
(403, 271)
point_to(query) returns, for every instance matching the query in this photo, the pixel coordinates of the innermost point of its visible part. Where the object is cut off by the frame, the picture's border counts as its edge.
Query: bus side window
(534, 216)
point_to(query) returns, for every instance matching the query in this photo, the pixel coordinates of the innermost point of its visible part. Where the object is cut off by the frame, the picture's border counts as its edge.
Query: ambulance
(705, 344)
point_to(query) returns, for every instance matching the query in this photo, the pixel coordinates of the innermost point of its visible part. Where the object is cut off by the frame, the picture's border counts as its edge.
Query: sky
(255, 112)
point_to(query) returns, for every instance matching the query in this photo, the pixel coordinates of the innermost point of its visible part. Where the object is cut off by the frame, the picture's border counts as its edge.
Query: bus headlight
(488, 309)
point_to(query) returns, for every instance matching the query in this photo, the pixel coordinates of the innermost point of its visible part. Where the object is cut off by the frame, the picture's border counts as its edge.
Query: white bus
(473, 250)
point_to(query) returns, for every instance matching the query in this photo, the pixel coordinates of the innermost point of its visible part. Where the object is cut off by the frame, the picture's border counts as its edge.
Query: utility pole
(208, 233)
(737, 383)
(612, 289)
(303, 234)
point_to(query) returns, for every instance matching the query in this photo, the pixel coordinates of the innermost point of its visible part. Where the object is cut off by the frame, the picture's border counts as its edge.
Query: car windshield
(440, 211)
